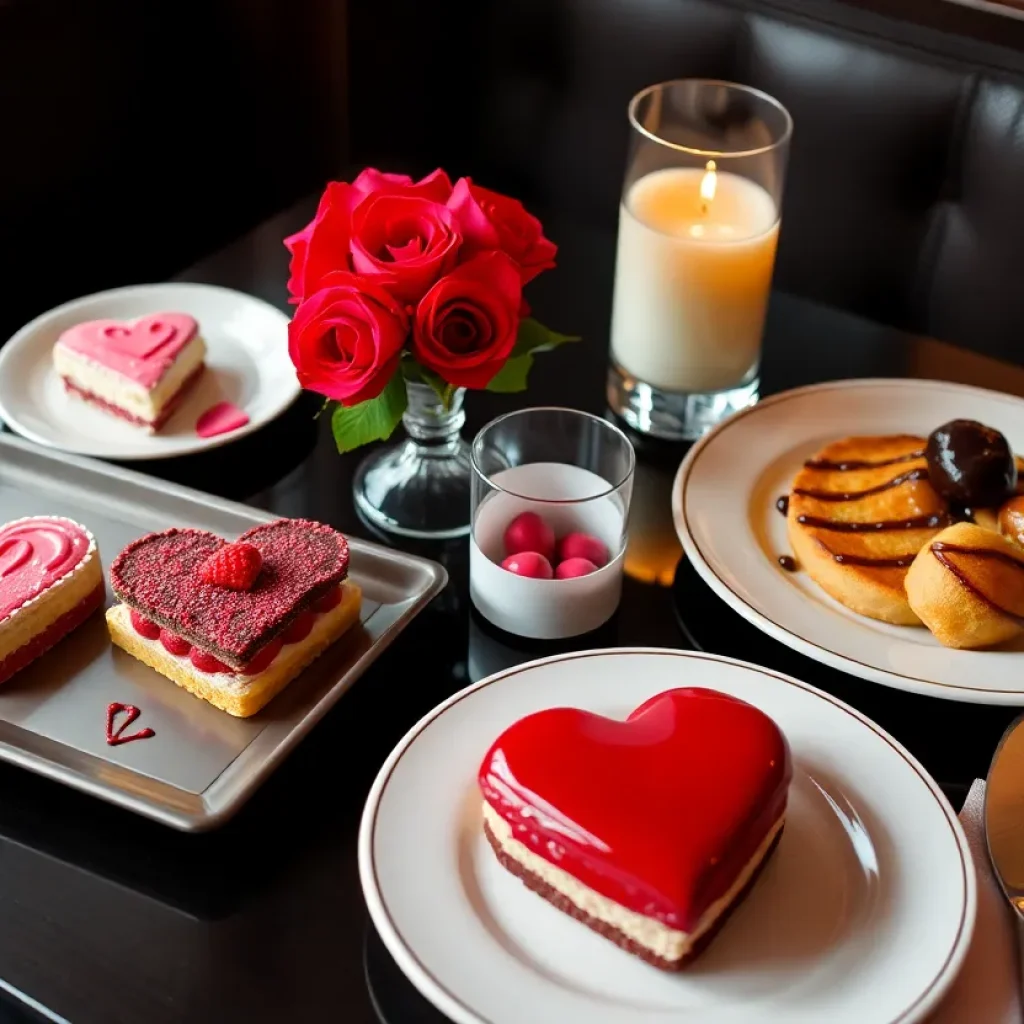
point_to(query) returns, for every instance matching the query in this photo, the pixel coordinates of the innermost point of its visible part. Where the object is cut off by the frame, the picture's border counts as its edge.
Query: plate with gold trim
(724, 506)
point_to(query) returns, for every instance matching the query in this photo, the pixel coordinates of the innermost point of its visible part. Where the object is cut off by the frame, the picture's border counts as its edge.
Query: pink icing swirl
(143, 351)
(34, 554)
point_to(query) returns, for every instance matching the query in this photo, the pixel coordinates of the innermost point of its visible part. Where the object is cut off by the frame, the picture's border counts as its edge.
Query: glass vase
(421, 486)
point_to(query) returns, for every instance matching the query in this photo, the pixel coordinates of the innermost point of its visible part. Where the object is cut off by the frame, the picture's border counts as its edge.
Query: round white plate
(247, 363)
(862, 916)
(723, 502)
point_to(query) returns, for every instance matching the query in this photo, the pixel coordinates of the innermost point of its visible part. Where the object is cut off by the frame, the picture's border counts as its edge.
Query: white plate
(861, 917)
(723, 503)
(247, 364)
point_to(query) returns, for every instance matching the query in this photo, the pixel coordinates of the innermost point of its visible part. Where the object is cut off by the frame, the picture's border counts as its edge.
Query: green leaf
(535, 337)
(373, 420)
(512, 376)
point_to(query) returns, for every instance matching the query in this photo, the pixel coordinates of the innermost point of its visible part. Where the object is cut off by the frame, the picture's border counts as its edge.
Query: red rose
(466, 325)
(407, 239)
(489, 220)
(322, 246)
(346, 338)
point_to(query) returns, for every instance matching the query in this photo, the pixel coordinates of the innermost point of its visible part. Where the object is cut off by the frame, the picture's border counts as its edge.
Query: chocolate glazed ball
(970, 464)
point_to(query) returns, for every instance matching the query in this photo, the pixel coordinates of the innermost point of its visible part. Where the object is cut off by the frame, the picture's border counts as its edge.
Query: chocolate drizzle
(934, 521)
(939, 550)
(897, 562)
(788, 562)
(921, 473)
(782, 505)
(847, 466)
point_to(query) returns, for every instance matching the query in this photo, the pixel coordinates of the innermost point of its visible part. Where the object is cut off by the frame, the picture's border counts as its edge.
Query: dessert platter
(227, 634)
(876, 526)
(147, 371)
(635, 834)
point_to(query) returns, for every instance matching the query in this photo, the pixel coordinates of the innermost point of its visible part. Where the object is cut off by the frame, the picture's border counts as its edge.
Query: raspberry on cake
(650, 831)
(233, 623)
(137, 371)
(50, 583)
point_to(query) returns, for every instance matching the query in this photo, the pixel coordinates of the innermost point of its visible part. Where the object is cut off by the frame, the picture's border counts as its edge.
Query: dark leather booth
(905, 196)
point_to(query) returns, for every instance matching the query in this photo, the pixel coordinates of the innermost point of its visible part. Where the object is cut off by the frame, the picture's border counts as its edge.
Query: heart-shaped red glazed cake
(233, 622)
(161, 576)
(649, 830)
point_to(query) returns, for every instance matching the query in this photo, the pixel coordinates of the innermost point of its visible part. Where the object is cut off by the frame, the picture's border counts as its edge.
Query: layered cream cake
(649, 831)
(137, 371)
(50, 582)
(233, 623)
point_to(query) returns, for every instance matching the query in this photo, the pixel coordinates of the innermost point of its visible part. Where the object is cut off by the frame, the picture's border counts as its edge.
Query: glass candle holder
(698, 226)
(575, 472)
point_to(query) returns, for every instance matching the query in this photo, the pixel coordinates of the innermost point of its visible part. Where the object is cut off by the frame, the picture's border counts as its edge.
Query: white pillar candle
(694, 267)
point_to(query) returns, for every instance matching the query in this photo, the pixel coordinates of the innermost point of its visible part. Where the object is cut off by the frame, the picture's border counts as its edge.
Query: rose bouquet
(399, 281)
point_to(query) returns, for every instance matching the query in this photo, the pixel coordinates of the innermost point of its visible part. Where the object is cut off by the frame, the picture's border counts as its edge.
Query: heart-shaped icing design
(35, 553)
(160, 575)
(660, 812)
(142, 350)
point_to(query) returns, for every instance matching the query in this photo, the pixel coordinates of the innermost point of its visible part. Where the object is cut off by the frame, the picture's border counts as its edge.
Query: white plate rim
(863, 670)
(433, 989)
(194, 445)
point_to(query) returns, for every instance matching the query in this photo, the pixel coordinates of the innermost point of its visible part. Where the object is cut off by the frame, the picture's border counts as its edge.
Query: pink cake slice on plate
(51, 581)
(137, 371)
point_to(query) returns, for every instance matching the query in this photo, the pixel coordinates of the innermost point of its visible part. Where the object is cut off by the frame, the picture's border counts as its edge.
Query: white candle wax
(692, 278)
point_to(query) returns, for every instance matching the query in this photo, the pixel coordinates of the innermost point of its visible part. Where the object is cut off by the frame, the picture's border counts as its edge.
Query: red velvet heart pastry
(50, 583)
(220, 618)
(651, 830)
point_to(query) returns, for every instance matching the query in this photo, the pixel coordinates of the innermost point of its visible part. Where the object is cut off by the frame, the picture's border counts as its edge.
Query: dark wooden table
(106, 918)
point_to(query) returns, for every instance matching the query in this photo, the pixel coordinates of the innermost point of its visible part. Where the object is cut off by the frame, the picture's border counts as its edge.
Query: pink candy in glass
(528, 563)
(576, 546)
(573, 567)
(528, 532)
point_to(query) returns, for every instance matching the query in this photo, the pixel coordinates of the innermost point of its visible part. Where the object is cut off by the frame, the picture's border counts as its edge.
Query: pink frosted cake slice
(50, 583)
(137, 371)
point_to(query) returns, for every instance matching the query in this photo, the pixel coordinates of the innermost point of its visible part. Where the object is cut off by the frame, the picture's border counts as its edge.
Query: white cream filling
(664, 942)
(236, 683)
(31, 618)
(117, 389)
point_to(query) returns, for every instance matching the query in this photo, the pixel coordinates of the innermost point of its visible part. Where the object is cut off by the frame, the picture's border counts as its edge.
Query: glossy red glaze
(659, 813)
(583, 545)
(573, 567)
(36, 553)
(529, 563)
(116, 732)
(528, 532)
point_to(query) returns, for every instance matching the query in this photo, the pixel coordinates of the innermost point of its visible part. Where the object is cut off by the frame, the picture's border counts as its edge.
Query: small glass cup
(698, 227)
(575, 471)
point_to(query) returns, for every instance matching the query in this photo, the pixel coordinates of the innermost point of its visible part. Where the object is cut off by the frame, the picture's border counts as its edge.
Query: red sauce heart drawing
(660, 812)
(116, 733)
(34, 554)
(142, 350)
(161, 576)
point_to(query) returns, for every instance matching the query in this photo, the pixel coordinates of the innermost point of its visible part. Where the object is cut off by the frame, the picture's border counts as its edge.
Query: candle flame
(708, 184)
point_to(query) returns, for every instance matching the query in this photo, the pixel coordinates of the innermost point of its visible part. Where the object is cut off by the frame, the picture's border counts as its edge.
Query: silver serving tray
(202, 764)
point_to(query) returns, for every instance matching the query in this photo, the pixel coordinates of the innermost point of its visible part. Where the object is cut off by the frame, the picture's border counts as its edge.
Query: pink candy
(573, 567)
(531, 550)
(528, 563)
(576, 546)
(528, 532)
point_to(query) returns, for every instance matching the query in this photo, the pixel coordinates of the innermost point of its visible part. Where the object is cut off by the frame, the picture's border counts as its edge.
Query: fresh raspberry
(207, 662)
(174, 643)
(264, 658)
(299, 629)
(234, 566)
(330, 600)
(143, 626)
